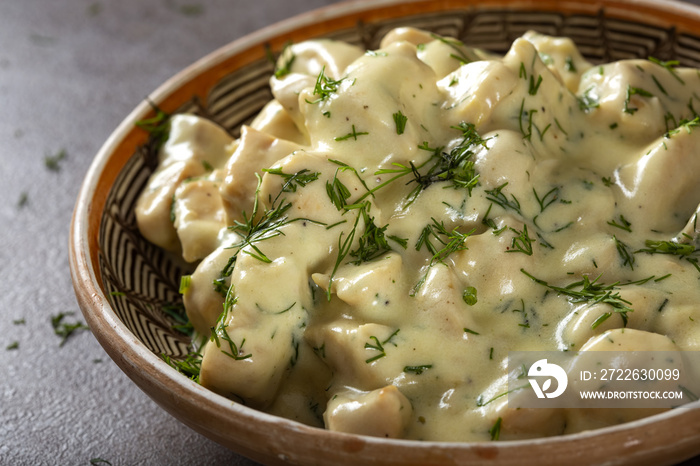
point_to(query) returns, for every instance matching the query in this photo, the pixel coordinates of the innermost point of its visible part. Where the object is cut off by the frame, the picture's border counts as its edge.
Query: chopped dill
(64, 329)
(53, 162)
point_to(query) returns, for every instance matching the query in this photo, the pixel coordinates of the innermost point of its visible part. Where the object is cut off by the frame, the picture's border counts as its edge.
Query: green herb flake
(670, 66)
(534, 85)
(589, 100)
(284, 68)
(592, 292)
(351, 135)
(23, 200)
(418, 370)
(12, 346)
(95, 461)
(455, 45)
(219, 332)
(261, 225)
(623, 224)
(632, 91)
(521, 242)
(292, 181)
(94, 9)
(400, 121)
(686, 125)
(63, 329)
(455, 167)
(548, 199)
(52, 162)
(668, 247)
(495, 431)
(157, 127)
(325, 87)
(497, 196)
(469, 297)
(190, 366)
(185, 282)
(379, 346)
(191, 9)
(626, 256)
(451, 241)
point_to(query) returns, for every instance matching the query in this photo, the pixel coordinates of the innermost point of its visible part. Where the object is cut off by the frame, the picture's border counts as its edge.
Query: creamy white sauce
(578, 167)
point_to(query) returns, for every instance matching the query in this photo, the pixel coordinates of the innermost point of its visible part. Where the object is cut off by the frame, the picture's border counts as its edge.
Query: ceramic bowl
(123, 283)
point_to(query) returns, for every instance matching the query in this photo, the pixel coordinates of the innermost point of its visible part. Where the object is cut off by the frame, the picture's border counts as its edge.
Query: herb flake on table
(52, 162)
(23, 199)
(95, 461)
(65, 329)
(191, 9)
(94, 9)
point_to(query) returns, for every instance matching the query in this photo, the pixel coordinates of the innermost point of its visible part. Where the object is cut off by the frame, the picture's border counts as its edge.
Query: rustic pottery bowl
(123, 283)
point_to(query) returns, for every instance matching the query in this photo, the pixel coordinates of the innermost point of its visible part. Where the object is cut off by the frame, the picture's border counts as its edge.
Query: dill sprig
(177, 313)
(688, 125)
(668, 247)
(447, 241)
(521, 241)
(261, 226)
(451, 241)
(190, 366)
(455, 166)
(495, 431)
(284, 68)
(52, 162)
(684, 251)
(292, 181)
(379, 346)
(455, 45)
(400, 121)
(624, 224)
(351, 135)
(670, 67)
(371, 244)
(592, 292)
(265, 225)
(219, 331)
(418, 370)
(157, 127)
(588, 100)
(325, 87)
(632, 91)
(496, 196)
(63, 329)
(548, 199)
(624, 252)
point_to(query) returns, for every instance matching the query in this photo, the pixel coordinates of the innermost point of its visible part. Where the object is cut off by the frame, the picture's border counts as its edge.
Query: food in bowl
(395, 222)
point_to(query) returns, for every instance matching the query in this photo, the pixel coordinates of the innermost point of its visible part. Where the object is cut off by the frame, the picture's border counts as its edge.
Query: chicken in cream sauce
(394, 222)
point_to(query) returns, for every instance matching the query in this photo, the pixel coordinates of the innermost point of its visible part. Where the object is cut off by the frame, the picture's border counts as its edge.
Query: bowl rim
(153, 375)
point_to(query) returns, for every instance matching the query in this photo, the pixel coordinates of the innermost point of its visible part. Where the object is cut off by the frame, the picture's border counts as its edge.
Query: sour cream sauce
(402, 215)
